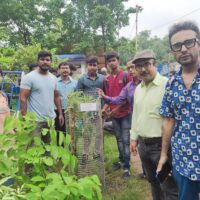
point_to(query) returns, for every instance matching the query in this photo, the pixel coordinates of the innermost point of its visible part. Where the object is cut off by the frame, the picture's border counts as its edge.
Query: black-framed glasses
(146, 66)
(187, 43)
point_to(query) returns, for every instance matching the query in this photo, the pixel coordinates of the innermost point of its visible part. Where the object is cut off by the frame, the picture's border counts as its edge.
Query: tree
(159, 45)
(102, 19)
(21, 17)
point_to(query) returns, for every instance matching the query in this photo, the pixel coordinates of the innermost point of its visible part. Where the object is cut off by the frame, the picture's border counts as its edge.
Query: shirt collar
(60, 80)
(178, 74)
(97, 76)
(156, 81)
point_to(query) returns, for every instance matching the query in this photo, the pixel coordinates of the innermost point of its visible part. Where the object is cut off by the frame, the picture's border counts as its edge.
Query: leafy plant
(51, 167)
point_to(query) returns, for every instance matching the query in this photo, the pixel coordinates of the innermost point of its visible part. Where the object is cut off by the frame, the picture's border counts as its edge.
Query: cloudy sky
(158, 15)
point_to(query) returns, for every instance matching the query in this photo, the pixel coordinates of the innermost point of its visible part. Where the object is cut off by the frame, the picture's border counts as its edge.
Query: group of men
(157, 117)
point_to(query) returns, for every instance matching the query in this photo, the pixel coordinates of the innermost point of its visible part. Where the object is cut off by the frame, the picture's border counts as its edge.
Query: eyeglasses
(187, 43)
(146, 66)
(131, 68)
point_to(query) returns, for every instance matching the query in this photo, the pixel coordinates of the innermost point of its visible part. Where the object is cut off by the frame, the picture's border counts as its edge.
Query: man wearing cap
(147, 123)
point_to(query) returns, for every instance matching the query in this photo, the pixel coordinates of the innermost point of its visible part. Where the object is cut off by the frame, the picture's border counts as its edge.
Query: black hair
(43, 54)
(92, 59)
(112, 54)
(52, 70)
(32, 66)
(72, 67)
(186, 25)
(63, 63)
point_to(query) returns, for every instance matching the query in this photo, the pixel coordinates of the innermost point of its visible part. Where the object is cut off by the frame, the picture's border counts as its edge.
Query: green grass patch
(116, 187)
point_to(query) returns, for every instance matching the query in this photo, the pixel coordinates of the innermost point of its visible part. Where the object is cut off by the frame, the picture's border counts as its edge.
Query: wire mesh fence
(84, 123)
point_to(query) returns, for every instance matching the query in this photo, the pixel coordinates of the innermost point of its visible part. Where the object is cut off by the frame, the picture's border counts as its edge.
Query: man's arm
(57, 102)
(114, 100)
(80, 85)
(24, 94)
(167, 130)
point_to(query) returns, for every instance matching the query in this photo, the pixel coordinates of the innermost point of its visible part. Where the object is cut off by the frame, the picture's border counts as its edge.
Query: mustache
(143, 73)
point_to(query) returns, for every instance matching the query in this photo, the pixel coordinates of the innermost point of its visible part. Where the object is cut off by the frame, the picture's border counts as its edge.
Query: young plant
(41, 171)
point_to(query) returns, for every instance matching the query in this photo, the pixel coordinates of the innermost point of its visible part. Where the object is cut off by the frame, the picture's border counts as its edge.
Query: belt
(150, 140)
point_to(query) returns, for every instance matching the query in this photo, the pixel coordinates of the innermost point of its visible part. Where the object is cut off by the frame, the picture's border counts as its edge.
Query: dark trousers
(58, 127)
(122, 132)
(37, 133)
(150, 155)
(57, 124)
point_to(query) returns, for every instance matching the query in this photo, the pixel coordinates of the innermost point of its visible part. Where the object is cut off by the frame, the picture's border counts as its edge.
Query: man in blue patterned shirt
(181, 111)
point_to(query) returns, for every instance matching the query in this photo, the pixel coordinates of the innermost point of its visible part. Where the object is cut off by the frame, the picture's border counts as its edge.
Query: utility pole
(138, 9)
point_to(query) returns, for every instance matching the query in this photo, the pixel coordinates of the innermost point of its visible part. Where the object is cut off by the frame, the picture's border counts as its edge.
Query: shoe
(126, 173)
(117, 166)
(141, 176)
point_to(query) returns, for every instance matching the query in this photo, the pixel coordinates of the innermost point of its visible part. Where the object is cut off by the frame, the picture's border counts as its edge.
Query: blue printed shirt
(184, 106)
(65, 88)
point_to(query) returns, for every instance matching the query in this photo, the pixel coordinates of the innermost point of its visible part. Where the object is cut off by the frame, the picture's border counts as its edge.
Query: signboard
(84, 107)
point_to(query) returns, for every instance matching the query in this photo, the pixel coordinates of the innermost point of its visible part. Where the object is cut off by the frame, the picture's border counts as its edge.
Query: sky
(158, 15)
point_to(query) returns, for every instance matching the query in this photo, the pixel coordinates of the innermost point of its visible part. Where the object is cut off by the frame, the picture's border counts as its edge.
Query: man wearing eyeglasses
(147, 122)
(181, 111)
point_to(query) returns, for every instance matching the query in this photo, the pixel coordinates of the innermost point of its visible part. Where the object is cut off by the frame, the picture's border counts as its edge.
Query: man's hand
(162, 161)
(104, 113)
(100, 93)
(133, 147)
(61, 119)
(112, 113)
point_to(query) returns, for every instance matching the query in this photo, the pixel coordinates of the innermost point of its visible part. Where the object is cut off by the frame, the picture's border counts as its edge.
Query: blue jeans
(122, 128)
(188, 189)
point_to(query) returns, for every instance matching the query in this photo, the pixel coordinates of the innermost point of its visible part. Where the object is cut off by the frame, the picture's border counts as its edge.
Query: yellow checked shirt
(146, 120)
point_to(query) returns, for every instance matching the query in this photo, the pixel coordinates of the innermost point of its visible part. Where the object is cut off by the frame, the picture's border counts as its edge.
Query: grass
(116, 187)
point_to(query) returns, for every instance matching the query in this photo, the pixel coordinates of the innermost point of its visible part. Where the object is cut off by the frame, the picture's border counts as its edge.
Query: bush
(52, 166)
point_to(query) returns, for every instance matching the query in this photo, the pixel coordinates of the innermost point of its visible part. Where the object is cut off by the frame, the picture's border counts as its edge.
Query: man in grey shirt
(39, 93)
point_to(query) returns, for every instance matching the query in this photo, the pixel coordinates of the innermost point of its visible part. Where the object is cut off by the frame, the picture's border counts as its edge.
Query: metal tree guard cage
(84, 124)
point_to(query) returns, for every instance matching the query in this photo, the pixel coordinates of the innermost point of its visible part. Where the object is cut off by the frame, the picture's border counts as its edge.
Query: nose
(183, 48)
(143, 68)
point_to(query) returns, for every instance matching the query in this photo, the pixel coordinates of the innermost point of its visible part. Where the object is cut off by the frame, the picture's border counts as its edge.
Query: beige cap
(148, 53)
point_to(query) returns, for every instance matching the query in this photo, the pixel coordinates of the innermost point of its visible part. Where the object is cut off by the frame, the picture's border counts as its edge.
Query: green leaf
(45, 131)
(54, 152)
(33, 188)
(61, 138)
(65, 159)
(67, 139)
(37, 179)
(95, 178)
(37, 141)
(73, 163)
(53, 135)
(48, 161)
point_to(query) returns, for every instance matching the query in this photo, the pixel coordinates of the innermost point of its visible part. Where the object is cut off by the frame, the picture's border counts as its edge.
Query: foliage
(126, 49)
(51, 173)
(69, 26)
(25, 56)
(159, 45)
(118, 188)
